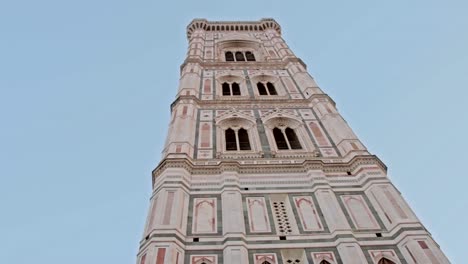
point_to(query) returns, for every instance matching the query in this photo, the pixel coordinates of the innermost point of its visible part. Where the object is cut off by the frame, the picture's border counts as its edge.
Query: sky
(85, 89)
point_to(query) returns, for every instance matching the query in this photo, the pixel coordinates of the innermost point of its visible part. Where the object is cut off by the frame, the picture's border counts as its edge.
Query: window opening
(237, 140)
(226, 89)
(324, 262)
(279, 138)
(244, 143)
(250, 56)
(235, 89)
(229, 56)
(240, 56)
(261, 89)
(231, 143)
(271, 88)
(292, 138)
(385, 261)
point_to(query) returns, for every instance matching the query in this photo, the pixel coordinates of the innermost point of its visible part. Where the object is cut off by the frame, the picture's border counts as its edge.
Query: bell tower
(259, 167)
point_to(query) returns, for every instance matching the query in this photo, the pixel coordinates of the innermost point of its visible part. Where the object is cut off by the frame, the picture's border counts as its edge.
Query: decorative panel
(168, 209)
(204, 215)
(359, 212)
(258, 216)
(207, 259)
(160, 255)
(318, 257)
(319, 135)
(307, 213)
(267, 257)
(205, 135)
(388, 254)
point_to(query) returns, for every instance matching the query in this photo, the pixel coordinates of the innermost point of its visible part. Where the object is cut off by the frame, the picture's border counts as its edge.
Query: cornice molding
(254, 103)
(220, 165)
(243, 65)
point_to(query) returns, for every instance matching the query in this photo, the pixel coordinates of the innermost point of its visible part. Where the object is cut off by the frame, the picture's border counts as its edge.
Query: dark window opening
(229, 56)
(324, 262)
(348, 172)
(230, 139)
(292, 138)
(378, 234)
(385, 261)
(261, 89)
(250, 56)
(279, 138)
(244, 143)
(282, 237)
(271, 88)
(196, 239)
(235, 89)
(240, 56)
(226, 89)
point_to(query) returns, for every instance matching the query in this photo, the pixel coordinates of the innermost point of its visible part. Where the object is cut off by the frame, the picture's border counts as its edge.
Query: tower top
(261, 25)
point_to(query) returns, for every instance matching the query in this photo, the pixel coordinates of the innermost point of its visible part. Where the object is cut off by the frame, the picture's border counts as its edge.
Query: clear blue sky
(85, 88)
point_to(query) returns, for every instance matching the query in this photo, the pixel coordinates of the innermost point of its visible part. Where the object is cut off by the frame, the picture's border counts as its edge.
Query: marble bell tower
(259, 166)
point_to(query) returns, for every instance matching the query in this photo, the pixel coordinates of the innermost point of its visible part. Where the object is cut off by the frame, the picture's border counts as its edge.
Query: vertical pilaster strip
(326, 132)
(197, 127)
(249, 84)
(261, 133)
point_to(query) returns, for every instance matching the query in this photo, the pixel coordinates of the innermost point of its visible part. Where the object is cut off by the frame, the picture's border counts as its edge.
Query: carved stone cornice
(254, 103)
(243, 65)
(217, 166)
(224, 26)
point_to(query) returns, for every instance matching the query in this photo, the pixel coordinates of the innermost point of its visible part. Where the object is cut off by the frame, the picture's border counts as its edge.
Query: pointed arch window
(385, 261)
(244, 143)
(231, 89)
(250, 56)
(240, 56)
(226, 89)
(229, 56)
(266, 262)
(324, 262)
(235, 89)
(292, 139)
(237, 139)
(271, 89)
(266, 89)
(261, 89)
(231, 142)
(286, 139)
(280, 139)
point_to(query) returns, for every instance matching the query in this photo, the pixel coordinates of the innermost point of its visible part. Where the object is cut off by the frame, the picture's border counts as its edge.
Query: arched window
(279, 138)
(268, 89)
(229, 56)
(231, 143)
(271, 88)
(237, 139)
(261, 89)
(240, 56)
(226, 89)
(244, 143)
(250, 56)
(324, 262)
(235, 89)
(292, 138)
(286, 139)
(266, 262)
(385, 261)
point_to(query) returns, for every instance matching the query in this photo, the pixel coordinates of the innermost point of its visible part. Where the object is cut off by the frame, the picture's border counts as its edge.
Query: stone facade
(259, 167)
